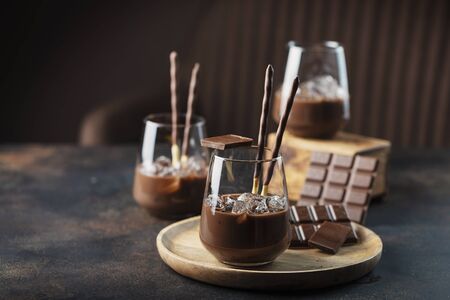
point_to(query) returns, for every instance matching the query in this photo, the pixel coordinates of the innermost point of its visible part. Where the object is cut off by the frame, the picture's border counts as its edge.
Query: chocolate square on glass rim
(226, 141)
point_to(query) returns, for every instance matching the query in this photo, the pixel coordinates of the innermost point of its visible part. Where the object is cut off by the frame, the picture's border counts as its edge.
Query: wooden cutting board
(180, 247)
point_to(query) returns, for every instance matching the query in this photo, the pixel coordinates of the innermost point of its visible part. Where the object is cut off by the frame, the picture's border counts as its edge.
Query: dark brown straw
(280, 132)
(191, 97)
(268, 84)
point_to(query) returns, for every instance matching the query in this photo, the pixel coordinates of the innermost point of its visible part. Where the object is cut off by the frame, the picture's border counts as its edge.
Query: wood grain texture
(180, 247)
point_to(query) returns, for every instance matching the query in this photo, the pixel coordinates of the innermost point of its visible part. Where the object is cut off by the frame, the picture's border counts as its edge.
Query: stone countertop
(69, 228)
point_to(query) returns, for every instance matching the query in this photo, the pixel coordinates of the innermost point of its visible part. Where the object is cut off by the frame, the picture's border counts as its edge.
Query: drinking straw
(268, 84)
(279, 135)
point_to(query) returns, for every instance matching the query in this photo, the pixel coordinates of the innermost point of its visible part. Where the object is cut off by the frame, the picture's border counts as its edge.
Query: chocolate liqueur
(169, 193)
(313, 118)
(257, 233)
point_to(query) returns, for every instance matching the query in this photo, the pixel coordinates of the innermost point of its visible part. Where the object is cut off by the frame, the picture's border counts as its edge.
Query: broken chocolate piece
(330, 237)
(351, 237)
(227, 141)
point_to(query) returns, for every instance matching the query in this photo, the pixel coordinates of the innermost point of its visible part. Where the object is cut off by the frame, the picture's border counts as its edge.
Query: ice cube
(249, 197)
(322, 87)
(254, 203)
(258, 207)
(162, 166)
(239, 207)
(215, 201)
(163, 161)
(229, 204)
(195, 164)
(149, 169)
(276, 203)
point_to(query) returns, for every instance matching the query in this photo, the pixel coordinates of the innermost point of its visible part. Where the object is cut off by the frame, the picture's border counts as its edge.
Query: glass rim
(198, 120)
(328, 45)
(252, 161)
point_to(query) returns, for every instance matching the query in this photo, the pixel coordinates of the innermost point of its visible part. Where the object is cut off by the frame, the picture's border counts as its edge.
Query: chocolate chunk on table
(227, 141)
(340, 180)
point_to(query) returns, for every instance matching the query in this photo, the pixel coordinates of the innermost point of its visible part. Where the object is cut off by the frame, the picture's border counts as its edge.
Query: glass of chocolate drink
(321, 107)
(168, 188)
(245, 222)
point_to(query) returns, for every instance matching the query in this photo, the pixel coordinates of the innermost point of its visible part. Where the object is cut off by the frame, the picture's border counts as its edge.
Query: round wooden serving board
(180, 247)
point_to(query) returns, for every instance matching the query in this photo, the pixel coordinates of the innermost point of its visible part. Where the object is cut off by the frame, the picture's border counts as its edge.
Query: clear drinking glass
(237, 227)
(321, 106)
(167, 191)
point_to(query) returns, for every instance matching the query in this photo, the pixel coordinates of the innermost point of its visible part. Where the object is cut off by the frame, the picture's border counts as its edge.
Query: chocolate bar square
(329, 237)
(316, 174)
(300, 214)
(320, 158)
(227, 141)
(312, 190)
(333, 193)
(343, 161)
(365, 163)
(301, 234)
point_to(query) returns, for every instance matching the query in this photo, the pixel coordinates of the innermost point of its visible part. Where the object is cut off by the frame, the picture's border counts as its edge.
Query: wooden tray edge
(243, 278)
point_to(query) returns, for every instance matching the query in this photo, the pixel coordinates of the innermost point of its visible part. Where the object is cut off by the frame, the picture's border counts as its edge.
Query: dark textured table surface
(69, 228)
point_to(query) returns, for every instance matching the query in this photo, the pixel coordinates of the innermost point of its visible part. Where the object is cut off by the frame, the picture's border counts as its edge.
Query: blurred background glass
(322, 105)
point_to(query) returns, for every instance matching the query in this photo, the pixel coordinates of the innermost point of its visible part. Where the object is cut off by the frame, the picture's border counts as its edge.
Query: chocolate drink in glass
(169, 182)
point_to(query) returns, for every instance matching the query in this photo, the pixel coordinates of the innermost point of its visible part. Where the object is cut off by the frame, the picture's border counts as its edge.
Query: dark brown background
(90, 70)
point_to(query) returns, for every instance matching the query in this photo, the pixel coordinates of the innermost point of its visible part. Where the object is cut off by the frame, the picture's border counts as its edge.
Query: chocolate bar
(340, 180)
(306, 220)
(329, 237)
(227, 141)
